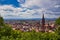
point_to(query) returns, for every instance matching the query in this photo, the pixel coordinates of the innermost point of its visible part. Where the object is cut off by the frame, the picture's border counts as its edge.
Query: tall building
(43, 23)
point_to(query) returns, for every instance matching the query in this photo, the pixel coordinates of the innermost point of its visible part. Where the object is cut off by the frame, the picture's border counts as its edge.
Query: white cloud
(8, 11)
(43, 6)
(57, 6)
(39, 3)
(20, 1)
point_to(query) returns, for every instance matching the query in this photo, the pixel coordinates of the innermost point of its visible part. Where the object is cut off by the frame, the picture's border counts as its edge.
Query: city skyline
(29, 9)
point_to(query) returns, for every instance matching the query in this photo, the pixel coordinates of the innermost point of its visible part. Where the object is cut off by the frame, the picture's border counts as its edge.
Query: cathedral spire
(43, 22)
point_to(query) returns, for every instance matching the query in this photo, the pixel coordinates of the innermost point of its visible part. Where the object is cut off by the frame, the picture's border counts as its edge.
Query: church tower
(43, 23)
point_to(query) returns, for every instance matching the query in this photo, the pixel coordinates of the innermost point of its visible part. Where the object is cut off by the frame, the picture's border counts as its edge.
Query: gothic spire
(43, 22)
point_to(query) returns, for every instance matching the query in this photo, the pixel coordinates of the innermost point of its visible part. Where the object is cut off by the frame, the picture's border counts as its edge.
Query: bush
(57, 21)
(6, 33)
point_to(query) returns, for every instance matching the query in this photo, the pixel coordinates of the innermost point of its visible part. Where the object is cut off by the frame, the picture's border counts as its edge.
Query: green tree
(1, 21)
(57, 21)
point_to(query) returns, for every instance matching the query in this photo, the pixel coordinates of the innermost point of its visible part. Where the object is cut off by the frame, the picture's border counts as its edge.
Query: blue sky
(26, 9)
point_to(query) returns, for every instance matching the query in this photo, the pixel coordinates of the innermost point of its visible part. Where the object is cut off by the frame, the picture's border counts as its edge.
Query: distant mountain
(32, 19)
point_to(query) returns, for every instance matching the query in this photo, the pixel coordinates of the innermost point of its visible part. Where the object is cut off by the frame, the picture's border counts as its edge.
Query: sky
(27, 9)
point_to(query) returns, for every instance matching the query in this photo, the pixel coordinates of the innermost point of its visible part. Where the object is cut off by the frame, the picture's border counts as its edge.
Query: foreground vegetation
(6, 33)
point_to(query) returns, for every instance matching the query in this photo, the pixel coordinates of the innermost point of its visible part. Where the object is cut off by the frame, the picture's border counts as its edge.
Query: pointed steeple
(43, 20)
(43, 23)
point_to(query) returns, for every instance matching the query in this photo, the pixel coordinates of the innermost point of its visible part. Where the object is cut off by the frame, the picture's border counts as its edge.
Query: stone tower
(43, 23)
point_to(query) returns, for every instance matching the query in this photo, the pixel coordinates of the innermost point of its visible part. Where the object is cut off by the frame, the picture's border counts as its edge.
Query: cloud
(31, 9)
(39, 3)
(21, 1)
(8, 11)
(42, 6)
(57, 6)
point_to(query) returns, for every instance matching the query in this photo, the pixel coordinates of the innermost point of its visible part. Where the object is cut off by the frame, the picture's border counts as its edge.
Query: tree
(1, 21)
(57, 21)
